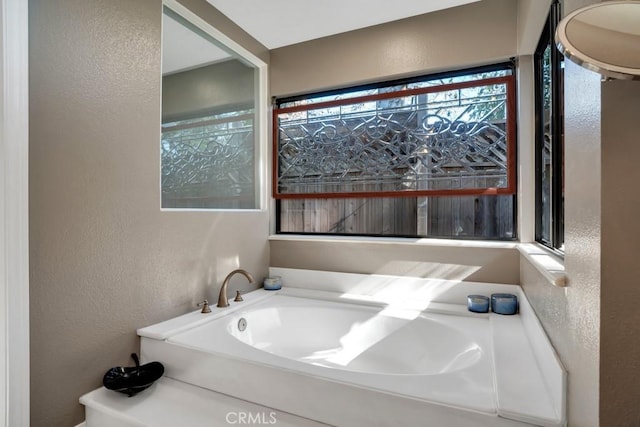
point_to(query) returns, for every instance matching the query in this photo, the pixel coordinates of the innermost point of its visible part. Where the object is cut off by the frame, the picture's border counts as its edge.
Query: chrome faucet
(222, 298)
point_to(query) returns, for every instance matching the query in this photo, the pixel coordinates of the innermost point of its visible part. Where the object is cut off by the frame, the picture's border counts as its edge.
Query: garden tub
(357, 359)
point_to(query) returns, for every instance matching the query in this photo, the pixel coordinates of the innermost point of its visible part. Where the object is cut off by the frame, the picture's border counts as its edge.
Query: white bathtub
(353, 338)
(358, 360)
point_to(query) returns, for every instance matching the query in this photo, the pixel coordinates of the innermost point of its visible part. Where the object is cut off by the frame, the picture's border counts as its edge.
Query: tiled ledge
(549, 265)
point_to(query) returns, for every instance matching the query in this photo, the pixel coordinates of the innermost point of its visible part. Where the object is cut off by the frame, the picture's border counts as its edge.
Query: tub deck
(516, 381)
(381, 359)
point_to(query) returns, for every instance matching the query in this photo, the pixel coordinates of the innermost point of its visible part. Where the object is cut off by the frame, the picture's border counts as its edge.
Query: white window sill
(547, 263)
(395, 240)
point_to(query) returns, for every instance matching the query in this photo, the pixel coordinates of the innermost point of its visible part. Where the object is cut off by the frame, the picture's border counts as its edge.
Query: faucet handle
(205, 306)
(238, 298)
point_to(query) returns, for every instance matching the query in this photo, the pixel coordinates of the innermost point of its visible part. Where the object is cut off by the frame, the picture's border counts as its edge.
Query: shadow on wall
(457, 262)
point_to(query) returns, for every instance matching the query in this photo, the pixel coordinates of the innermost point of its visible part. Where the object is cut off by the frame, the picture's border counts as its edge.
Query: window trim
(509, 81)
(557, 122)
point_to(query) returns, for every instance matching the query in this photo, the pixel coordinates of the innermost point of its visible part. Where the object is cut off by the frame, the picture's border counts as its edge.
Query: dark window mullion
(550, 234)
(539, 64)
(557, 158)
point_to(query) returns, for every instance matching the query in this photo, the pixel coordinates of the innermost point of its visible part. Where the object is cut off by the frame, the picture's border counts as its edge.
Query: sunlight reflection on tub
(410, 347)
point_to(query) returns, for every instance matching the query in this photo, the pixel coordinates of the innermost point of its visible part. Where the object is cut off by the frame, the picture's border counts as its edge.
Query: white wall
(14, 251)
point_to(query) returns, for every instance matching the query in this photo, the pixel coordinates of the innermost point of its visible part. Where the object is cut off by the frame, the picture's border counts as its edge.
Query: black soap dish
(132, 380)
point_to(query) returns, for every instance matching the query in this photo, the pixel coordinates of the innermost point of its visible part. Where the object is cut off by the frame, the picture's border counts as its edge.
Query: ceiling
(277, 23)
(175, 36)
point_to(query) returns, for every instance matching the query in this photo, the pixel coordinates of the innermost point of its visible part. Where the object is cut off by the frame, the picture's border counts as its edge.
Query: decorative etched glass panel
(453, 139)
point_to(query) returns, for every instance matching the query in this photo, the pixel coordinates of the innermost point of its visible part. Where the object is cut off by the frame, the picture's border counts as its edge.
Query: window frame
(513, 154)
(556, 242)
(509, 81)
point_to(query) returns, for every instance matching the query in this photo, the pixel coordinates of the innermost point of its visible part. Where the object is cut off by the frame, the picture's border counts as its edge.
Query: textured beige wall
(494, 265)
(214, 88)
(571, 316)
(104, 259)
(479, 33)
(593, 323)
(582, 241)
(620, 293)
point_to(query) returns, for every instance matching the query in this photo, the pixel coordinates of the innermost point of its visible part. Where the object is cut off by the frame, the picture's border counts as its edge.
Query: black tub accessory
(132, 380)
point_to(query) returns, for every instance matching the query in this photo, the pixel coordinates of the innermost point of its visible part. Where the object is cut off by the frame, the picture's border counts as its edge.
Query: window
(549, 137)
(433, 156)
(210, 143)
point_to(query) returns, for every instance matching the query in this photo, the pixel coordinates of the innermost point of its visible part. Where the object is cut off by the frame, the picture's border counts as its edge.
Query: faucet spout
(223, 301)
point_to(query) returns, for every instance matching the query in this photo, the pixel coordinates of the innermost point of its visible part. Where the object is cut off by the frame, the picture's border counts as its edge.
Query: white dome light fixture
(604, 37)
